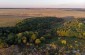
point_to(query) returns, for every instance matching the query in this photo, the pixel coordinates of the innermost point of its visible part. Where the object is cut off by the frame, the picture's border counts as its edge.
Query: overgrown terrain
(45, 36)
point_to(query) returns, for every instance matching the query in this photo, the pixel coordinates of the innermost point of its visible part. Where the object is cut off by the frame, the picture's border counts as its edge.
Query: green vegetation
(54, 35)
(73, 28)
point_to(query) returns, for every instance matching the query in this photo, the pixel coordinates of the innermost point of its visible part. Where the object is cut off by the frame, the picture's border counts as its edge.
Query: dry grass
(41, 12)
(4, 22)
(9, 17)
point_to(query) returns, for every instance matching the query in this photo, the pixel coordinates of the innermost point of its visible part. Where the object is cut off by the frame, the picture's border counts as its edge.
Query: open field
(9, 21)
(9, 17)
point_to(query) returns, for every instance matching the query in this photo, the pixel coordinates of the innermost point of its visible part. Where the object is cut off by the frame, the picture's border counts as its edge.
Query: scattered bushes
(42, 30)
(72, 29)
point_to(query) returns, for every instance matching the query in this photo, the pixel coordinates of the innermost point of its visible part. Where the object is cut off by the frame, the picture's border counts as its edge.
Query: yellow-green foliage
(19, 34)
(84, 34)
(33, 37)
(63, 41)
(63, 33)
(80, 25)
(37, 41)
(72, 29)
(53, 45)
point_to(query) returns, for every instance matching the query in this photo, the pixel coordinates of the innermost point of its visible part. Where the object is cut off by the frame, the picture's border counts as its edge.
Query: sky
(42, 3)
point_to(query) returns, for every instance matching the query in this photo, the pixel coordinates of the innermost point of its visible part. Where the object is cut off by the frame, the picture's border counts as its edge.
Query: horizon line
(39, 8)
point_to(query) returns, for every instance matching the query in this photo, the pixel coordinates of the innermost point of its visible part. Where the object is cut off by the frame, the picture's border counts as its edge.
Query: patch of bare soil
(13, 50)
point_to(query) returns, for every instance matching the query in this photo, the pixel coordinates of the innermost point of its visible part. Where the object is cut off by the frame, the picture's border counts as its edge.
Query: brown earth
(9, 17)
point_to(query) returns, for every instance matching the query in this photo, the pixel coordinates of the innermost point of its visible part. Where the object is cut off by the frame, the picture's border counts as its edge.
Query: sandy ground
(9, 17)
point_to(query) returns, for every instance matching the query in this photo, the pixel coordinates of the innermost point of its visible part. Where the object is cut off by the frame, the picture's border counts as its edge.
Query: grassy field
(9, 17)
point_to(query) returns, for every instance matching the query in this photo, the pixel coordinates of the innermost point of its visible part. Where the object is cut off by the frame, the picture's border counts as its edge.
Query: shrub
(42, 38)
(19, 41)
(26, 33)
(33, 37)
(37, 41)
(3, 44)
(19, 35)
(11, 38)
(63, 42)
(24, 39)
